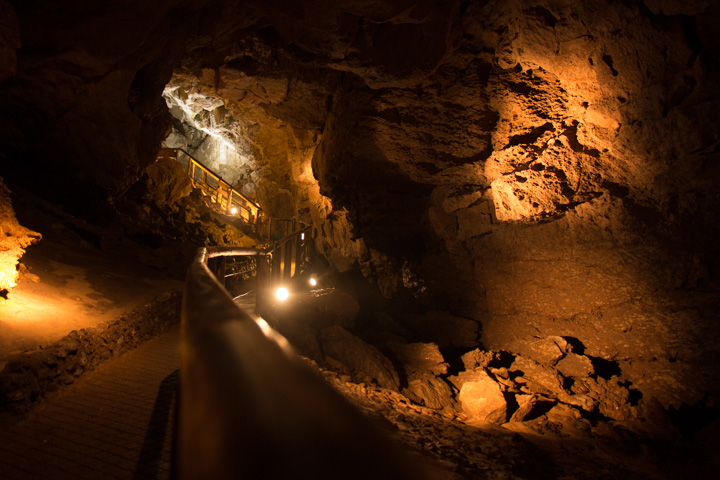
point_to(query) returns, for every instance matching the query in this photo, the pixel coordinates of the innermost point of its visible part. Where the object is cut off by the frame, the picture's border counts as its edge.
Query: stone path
(115, 422)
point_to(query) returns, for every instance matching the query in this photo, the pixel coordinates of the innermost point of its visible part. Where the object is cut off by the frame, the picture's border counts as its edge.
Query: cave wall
(555, 175)
(84, 104)
(540, 167)
(14, 239)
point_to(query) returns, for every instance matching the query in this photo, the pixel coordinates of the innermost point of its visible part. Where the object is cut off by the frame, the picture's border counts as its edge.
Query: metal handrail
(249, 408)
(224, 194)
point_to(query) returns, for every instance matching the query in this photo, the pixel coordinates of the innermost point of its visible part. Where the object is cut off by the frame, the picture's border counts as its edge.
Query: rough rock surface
(419, 358)
(574, 365)
(545, 168)
(165, 201)
(466, 451)
(430, 391)
(481, 398)
(9, 40)
(358, 357)
(423, 367)
(14, 238)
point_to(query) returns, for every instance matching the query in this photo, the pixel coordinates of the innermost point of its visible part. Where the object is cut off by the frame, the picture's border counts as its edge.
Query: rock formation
(14, 238)
(532, 169)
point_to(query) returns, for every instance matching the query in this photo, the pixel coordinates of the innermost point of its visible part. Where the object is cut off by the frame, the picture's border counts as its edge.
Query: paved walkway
(114, 422)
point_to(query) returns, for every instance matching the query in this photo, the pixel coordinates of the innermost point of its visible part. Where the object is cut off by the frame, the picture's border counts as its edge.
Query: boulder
(608, 397)
(430, 391)
(361, 358)
(574, 365)
(536, 378)
(419, 358)
(526, 404)
(547, 351)
(477, 358)
(167, 183)
(481, 398)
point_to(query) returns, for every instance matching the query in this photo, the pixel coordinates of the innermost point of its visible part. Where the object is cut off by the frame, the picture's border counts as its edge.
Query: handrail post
(220, 269)
(262, 282)
(293, 257)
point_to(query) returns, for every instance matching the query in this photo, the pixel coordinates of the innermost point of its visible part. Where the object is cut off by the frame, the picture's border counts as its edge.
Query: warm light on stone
(14, 238)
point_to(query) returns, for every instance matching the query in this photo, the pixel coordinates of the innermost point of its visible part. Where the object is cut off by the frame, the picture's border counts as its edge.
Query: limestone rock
(478, 358)
(546, 350)
(430, 391)
(14, 238)
(525, 406)
(361, 358)
(482, 399)
(537, 378)
(568, 420)
(574, 365)
(419, 358)
(167, 183)
(608, 397)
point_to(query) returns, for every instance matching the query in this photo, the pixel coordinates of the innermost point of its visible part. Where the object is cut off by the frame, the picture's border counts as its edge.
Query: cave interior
(517, 203)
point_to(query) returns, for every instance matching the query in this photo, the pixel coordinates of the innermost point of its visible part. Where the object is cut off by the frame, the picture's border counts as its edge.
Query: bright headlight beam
(282, 294)
(313, 281)
(233, 211)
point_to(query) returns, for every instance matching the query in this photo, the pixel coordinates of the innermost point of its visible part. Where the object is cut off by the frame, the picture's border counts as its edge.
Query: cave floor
(558, 451)
(68, 283)
(114, 422)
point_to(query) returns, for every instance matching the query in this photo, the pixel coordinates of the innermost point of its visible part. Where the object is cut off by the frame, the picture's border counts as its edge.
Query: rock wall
(14, 238)
(84, 107)
(9, 40)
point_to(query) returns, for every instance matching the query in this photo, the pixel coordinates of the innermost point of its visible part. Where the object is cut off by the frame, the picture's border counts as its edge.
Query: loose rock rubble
(504, 415)
(487, 451)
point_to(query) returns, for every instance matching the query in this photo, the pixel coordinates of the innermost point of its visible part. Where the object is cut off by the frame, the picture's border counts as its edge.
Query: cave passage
(510, 209)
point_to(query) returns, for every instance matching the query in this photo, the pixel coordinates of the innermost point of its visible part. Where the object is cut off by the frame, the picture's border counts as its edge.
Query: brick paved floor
(114, 422)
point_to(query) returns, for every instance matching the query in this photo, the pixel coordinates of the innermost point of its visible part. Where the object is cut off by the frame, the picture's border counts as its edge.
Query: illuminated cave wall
(230, 130)
(537, 167)
(14, 239)
(205, 128)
